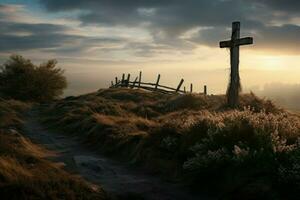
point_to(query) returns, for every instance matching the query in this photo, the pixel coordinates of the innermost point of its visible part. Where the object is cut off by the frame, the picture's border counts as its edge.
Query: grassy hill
(249, 153)
(24, 171)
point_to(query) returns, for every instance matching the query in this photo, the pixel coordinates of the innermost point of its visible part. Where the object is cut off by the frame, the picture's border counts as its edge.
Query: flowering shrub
(262, 143)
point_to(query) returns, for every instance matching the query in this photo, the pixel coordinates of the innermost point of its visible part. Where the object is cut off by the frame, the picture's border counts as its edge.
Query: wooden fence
(137, 83)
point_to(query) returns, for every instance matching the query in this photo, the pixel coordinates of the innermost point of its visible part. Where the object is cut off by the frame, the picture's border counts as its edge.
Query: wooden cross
(234, 85)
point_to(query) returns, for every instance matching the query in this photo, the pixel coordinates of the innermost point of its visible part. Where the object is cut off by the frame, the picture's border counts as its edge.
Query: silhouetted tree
(21, 79)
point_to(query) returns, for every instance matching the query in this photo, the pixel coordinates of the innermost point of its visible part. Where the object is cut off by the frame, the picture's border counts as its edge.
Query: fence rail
(137, 83)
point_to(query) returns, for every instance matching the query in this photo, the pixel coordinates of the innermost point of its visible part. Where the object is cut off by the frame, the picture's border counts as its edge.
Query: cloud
(168, 20)
(283, 38)
(286, 6)
(14, 43)
(6, 10)
(172, 16)
(271, 38)
(16, 35)
(39, 28)
(168, 23)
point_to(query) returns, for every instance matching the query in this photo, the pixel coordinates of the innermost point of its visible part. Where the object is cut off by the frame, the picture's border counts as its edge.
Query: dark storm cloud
(31, 28)
(52, 42)
(12, 43)
(25, 36)
(49, 37)
(166, 13)
(63, 5)
(167, 20)
(279, 38)
(282, 5)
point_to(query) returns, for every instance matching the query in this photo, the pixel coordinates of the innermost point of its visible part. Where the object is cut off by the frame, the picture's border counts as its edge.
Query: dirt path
(113, 176)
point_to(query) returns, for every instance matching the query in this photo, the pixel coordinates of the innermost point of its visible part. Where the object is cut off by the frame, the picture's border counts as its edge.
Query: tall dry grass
(248, 153)
(24, 171)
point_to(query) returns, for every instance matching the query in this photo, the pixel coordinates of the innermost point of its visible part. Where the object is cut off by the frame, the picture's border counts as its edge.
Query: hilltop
(25, 173)
(249, 153)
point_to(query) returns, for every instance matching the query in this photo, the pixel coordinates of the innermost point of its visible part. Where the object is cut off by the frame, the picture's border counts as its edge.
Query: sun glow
(272, 62)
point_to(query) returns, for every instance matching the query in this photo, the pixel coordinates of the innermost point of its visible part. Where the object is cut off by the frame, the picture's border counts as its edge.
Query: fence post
(123, 79)
(157, 81)
(140, 79)
(205, 90)
(184, 89)
(128, 79)
(116, 79)
(191, 87)
(179, 85)
(135, 80)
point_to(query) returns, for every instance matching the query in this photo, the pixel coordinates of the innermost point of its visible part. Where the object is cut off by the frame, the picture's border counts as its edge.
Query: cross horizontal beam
(237, 42)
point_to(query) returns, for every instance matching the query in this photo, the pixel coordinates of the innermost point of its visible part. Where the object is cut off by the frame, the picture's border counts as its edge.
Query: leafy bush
(21, 79)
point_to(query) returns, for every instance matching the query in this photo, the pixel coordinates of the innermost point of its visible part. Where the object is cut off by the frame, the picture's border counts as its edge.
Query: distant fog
(285, 95)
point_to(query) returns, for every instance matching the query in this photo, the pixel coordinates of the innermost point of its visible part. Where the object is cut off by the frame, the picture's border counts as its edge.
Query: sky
(96, 40)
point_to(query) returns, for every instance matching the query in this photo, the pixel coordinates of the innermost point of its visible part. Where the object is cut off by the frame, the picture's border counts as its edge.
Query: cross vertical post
(234, 87)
